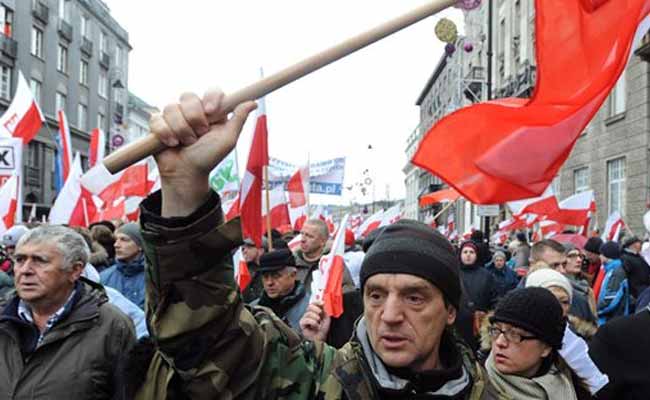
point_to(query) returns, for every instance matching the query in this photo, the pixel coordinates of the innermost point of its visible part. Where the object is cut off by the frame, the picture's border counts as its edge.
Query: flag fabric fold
(97, 147)
(74, 205)
(250, 193)
(511, 149)
(441, 196)
(23, 119)
(8, 203)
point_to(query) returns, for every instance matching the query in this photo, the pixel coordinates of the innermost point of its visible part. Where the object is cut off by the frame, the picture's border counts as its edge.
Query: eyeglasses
(511, 336)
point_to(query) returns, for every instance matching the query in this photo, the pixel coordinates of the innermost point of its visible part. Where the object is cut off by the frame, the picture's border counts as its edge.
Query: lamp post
(114, 85)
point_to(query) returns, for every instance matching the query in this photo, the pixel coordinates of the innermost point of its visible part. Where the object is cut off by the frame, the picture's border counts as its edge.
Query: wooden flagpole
(150, 145)
(445, 208)
(269, 237)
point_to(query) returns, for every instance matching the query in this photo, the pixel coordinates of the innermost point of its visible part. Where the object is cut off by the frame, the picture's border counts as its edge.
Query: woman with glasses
(527, 329)
(584, 303)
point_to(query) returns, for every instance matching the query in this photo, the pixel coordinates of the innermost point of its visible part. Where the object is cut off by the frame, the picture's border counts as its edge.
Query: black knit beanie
(536, 310)
(593, 244)
(412, 247)
(611, 250)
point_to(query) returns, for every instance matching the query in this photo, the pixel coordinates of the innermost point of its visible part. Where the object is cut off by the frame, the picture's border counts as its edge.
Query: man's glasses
(511, 336)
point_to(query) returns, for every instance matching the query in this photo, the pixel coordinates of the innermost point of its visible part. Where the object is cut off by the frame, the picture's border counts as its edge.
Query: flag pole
(150, 144)
(85, 207)
(445, 208)
(269, 237)
(308, 188)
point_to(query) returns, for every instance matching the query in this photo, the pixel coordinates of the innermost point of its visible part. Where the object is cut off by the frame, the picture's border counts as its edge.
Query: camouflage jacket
(209, 345)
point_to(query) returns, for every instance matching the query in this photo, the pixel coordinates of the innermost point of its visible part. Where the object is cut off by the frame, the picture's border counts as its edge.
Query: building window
(7, 21)
(82, 117)
(616, 186)
(103, 43)
(581, 180)
(62, 59)
(63, 9)
(36, 90)
(37, 42)
(101, 121)
(83, 72)
(5, 82)
(118, 56)
(102, 89)
(618, 97)
(85, 26)
(32, 159)
(60, 102)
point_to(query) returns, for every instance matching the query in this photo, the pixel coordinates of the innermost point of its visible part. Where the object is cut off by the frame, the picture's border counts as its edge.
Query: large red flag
(250, 193)
(512, 148)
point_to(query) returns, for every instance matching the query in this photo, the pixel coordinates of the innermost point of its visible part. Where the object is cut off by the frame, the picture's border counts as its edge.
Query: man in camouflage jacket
(209, 345)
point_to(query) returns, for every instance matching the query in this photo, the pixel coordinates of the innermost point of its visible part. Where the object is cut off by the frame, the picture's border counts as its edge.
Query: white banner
(224, 178)
(325, 177)
(11, 161)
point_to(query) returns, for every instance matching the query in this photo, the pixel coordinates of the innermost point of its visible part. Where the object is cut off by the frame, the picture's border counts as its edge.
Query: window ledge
(615, 118)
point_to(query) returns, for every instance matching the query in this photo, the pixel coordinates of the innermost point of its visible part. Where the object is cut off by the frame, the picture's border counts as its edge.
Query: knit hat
(132, 230)
(468, 243)
(412, 247)
(536, 310)
(610, 250)
(593, 244)
(498, 254)
(546, 278)
(276, 260)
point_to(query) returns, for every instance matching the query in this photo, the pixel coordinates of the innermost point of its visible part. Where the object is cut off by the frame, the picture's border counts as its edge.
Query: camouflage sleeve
(208, 344)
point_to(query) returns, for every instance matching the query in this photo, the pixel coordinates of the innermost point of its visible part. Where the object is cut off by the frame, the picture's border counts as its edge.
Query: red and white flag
(23, 119)
(133, 181)
(298, 188)
(230, 208)
(97, 148)
(242, 274)
(370, 224)
(66, 144)
(250, 193)
(279, 214)
(391, 216)
(613, 227)
(74, 205)
(576, 209)
(8, 203)
(327, 280)
(294, 244)
(542, 205)
(441, 196)
(550, 228)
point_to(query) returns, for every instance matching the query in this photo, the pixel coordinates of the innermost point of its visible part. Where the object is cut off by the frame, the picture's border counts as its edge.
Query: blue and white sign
(326, 177)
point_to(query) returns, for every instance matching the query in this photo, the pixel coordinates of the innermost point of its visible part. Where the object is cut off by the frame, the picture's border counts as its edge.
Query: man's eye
(415, 299)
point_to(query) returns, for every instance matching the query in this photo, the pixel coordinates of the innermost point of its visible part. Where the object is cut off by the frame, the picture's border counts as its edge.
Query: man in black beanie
(411, 293)
(592, 251)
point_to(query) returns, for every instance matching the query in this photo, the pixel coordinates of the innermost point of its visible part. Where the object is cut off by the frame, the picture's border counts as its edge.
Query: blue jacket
(127, 278)
(614, 296)
(505, 278)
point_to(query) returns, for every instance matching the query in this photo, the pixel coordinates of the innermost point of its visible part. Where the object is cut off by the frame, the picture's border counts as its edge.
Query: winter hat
(521, 236)
(593, 244)
(497, 254)
(546, 278)
(610, 250)
(132, 230)
(468, 244)
(536, 310)
(276, 260)
(412, 247)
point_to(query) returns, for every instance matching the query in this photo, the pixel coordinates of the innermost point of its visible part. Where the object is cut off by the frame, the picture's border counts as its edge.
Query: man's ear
(451, 314)
(76, 271)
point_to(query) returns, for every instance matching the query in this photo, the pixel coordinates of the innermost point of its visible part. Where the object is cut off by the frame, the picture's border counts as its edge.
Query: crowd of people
(151, 310)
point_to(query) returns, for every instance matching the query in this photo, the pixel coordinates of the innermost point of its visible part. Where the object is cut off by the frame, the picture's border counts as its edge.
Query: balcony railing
(87, 47)
(8, 46)
(41, 11)
(65, 30)
(33, 176)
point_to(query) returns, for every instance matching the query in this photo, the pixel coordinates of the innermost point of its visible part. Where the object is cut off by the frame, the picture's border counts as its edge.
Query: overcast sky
(367, 98)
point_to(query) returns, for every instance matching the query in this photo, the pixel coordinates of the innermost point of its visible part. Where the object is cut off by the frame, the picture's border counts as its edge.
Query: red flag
(242, 274)
(74, 205)
(97, 147)
(298, 187)
(544, 205)
(279, 210)
(23, 119)
(328, 279)
(440, 196)
(575, 210)
(8, 203)
(66, 144)
(512, 148)
(250, 193)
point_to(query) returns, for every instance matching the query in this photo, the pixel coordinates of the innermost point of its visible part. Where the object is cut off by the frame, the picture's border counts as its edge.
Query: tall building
(74, 55)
